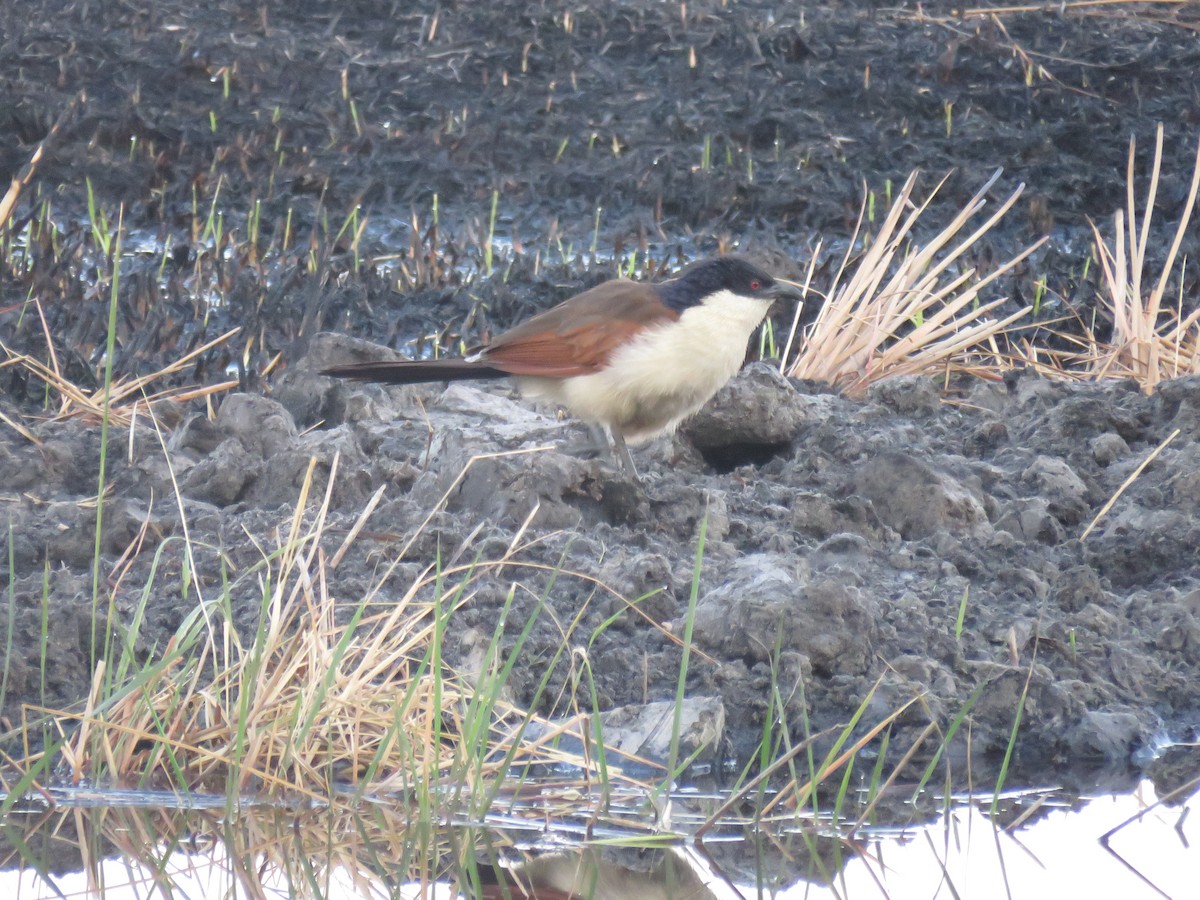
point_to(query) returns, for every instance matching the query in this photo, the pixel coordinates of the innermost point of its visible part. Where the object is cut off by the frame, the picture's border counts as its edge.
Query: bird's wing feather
(579, 336)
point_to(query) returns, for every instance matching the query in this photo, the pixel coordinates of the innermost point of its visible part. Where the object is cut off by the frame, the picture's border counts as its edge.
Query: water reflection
(1037, 843)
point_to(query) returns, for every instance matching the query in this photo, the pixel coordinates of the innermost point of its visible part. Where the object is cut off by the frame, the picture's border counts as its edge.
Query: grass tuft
(1151, 341)
(120, 400)
(903, 310)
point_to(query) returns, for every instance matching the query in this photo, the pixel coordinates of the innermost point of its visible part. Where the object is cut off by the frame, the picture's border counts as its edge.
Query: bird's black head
(735, 274)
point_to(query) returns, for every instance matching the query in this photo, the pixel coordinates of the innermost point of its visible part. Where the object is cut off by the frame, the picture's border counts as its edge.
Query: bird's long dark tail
(416, 371)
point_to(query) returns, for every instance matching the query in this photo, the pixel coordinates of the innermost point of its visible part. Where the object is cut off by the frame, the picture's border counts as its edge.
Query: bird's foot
(600, 443)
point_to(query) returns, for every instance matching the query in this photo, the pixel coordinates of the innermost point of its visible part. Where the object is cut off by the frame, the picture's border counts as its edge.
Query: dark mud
(833, 569)
(841, 535)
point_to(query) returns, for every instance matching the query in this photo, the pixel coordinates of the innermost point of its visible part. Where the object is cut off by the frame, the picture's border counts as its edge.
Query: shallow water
(1152, 853)
(1125, 845)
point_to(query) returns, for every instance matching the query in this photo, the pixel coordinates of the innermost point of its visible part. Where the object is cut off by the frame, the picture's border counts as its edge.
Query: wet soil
(842, 536)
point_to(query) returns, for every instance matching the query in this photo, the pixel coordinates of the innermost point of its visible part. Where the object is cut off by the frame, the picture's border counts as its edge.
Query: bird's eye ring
(755, 285)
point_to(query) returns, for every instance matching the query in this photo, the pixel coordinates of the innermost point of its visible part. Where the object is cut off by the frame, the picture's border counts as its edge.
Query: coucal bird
(632, 357)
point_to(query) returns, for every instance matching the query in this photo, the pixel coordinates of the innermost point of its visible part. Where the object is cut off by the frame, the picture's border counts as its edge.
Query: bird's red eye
(755, 285)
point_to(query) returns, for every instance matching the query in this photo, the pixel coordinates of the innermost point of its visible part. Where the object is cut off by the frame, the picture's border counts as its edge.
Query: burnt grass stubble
(841, 533)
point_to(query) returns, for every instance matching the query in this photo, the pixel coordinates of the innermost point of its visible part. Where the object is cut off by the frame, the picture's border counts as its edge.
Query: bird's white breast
(666, 372)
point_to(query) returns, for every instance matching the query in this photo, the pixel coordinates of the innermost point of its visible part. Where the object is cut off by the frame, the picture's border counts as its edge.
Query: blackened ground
(685, 128)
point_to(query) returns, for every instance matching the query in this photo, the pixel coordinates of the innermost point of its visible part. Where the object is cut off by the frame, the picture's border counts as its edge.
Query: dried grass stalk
(125, 395)
(1151, 341)
(905, 310)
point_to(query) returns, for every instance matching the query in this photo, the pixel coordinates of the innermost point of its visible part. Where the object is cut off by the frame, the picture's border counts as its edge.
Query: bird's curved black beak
(784, 294)
(785, 290)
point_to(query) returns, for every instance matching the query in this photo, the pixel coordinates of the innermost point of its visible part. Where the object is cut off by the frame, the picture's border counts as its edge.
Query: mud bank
(842, 537)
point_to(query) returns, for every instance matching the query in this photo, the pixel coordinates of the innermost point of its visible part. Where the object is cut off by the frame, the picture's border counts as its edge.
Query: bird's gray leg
(601, 439)
(623, 456)
(598, 437)
(595, 444)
